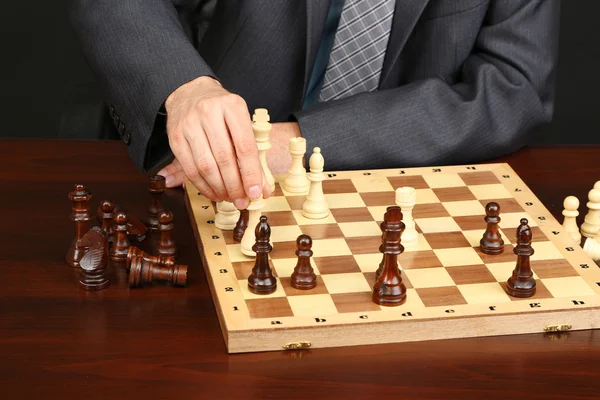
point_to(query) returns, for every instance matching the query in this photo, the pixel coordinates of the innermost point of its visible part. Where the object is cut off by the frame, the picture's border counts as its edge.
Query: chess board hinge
(296, 345)
(558, 328)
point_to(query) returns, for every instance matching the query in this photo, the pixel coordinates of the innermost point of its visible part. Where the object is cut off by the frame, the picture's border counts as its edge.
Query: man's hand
(210, 134)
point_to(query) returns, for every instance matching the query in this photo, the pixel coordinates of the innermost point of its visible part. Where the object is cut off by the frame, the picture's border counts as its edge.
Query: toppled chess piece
(166, 244)
(144, 271)
(491, 242)
(92, 266)
(304, 276)
(80, 214)
(296, 180)
(241, 225)
(521, 283)
(162, 260)
(261, 280)
(315, 206)
(156, 187)
(118, 251)
(389, 290)
(571, 204)
(227, 216)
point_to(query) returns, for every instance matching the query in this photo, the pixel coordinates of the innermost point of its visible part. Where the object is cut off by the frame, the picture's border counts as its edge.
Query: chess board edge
(239, 338)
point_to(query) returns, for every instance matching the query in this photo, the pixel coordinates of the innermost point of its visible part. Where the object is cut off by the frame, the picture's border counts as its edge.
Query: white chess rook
(249, 238)
(262, 128)
(406, 198)
(592, 247)
(591, 224)
(571, 204)
(296, 181)
(227, 216)
(315, 206)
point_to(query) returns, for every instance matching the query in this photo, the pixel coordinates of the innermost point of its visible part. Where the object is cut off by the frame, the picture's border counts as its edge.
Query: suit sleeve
(140, 54)
(505, 89)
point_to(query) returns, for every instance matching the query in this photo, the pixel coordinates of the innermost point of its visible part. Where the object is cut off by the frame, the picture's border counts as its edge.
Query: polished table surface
(58, 342)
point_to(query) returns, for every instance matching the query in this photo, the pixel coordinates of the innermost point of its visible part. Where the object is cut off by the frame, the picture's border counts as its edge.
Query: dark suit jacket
(462, 81)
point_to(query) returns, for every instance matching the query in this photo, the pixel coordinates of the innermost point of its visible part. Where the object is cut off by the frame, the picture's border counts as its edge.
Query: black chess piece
(521, 283)
(491, 242)
(261, 280)
(304, 276)
(241, 225)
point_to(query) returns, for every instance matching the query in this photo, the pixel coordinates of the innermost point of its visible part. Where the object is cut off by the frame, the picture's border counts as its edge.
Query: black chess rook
(521, 283)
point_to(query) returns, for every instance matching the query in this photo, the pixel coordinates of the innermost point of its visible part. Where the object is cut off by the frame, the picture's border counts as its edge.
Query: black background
(43, 72)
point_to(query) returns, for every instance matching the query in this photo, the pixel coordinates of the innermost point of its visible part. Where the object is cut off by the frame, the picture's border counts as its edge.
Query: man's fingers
(240, 128)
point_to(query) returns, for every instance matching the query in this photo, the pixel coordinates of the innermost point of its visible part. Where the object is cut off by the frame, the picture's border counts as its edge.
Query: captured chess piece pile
(111, 240)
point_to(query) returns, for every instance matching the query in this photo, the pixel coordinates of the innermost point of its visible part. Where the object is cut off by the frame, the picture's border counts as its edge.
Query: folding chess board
(453, 289)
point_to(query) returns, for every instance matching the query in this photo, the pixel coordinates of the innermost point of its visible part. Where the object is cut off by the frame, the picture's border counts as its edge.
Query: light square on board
(243, 269)
(418, 260)
(355, 229)
(302, 220)
(247, 294)
(336, 264)
(346, 283)
(330, 247)
(478, 178)
(364, 245)
(469, 274)
(429, 210)
(354, 302)
(474, 236)
(285, 266)
(429, 277)
(508, 255)
(358, 214)
(338, 186)
(280, 218)
(446, 240)
(413, 181)
(313, 305)
(286, 284)
(459, 193)
(442, 224)
(377, 212)
(484, 293)
(440, 296)
(571, 286)
(285, 233)
(372, 183)
(235, 253)
(462, 208)
(277, 203)
(368, 262)
(425, 196)
(379, 199)
(443, 180)
(490, 192)
(456, 257)
(344, 200)
(510, 221)
(277, 307)
(545, 251)
(553, 269)
(296, 202)
(420, 245)
(325, 231)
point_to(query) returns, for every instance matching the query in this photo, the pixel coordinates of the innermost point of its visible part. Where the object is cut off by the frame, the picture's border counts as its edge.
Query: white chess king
(315, 206)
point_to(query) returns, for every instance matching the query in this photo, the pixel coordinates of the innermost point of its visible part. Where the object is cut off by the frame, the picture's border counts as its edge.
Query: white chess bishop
(315, 206)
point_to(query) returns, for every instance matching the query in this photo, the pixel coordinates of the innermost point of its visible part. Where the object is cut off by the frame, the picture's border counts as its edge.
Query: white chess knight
(262, 128)
(296, 181)
(571, 204)
(406, 198)
(591, 224)
(249, 238)
(227, 216)
(315, 206)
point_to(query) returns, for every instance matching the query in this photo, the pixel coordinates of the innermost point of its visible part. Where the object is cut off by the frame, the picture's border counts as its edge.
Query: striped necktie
(358, 49)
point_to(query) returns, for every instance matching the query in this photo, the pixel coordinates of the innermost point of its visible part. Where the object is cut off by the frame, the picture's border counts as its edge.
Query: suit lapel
(316, 15)
(406, 15)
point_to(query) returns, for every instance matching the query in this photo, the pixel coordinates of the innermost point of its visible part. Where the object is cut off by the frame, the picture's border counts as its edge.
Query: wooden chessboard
(453, 289)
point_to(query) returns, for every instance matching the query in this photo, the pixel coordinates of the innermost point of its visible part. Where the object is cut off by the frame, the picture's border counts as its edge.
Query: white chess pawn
(406, 198)
(315, 206)
(592, 247)
(571, 204)
(296, 181)
(227, 216)
(262, 127)
(591, 224)
(249, 239)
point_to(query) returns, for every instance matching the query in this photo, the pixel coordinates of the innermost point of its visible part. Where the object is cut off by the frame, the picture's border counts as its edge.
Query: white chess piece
(249, 238)
(227, 216)
(262, 127)
(592, 247)
(406, 198)
(571, 204)
(591, 224)
(296, 181)
(315, 206)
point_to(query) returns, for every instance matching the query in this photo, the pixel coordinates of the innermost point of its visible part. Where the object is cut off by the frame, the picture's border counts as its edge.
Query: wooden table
(57, 341)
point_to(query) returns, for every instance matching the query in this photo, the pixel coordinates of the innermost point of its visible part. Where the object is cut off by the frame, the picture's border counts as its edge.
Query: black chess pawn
(304, 276)
(261, 280)
(106, 211)
(491, 242)
(156, 188)
(389, 290)
(120, 247)
(521, 283)
(166, 244)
